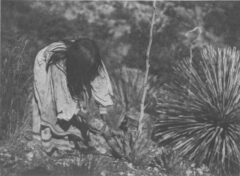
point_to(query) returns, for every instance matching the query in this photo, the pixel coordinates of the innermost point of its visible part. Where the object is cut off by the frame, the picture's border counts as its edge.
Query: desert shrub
(202, 111)
(16, 84)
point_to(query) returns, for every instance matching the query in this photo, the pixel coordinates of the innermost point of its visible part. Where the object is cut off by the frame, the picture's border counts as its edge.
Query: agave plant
(128, 89)
(127, 86)
(202, 110)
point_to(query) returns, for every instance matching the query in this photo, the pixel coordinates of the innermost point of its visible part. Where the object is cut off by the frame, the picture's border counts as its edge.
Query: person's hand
(118, 133)
(109, 130)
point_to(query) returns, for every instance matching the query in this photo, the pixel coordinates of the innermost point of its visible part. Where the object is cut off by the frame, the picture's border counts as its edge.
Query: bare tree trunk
(145, 83)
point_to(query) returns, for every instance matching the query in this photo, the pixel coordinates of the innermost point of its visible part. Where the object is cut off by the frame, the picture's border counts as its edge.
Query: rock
(200, 171)
(29, 156)
(103, 173)
(130, 174)
(188, 172)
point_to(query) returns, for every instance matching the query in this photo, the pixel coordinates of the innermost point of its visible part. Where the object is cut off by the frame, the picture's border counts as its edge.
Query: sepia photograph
(120, 88)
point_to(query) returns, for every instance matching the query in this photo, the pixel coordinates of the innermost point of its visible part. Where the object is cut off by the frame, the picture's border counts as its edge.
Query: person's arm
(102, 91)
(66, 107)
(51, 86)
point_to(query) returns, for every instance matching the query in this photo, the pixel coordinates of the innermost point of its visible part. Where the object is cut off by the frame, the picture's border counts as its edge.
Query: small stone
(29, 156)
(101, 150)
(188, 172)
(103, 173)
(149, 168)
(200, 171)
(193, 165)
(130, 165)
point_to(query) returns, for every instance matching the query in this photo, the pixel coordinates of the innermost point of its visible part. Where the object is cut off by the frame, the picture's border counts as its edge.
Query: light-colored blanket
(52, 100)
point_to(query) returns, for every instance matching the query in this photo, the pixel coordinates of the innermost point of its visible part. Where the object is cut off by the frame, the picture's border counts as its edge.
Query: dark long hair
(83, 62)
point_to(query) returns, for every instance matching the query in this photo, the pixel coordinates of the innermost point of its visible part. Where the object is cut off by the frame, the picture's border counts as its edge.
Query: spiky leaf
(202, 110)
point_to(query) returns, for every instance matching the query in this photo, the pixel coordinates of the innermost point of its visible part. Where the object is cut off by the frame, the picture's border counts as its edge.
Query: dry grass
(16, 87)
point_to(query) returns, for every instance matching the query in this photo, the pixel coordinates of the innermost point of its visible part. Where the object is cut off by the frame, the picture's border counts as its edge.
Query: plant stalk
(145, 83)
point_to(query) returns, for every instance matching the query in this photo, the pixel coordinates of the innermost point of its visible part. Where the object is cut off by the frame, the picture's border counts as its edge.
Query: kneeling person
(67, 76)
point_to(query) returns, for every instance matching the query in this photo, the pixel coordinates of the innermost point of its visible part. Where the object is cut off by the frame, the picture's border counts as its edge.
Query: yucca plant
(201, 111)
(127, 87)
